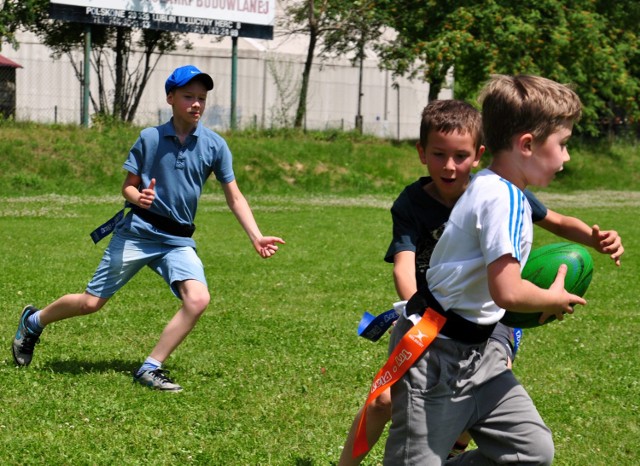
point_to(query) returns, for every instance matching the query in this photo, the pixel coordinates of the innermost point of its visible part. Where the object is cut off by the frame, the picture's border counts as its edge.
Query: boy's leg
(507, 427)
(378, 414)
(71, 305)
(505, 338)
(182, 270)
(28, 333)
(195, 299)
(121, 260)
(513, 433)
(425, 422)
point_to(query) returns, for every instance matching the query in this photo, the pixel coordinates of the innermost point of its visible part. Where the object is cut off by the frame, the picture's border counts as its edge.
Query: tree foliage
(15, 14)
(589, 44)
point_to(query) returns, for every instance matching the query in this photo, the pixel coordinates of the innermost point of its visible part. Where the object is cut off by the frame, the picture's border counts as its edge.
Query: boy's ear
(170, 98)
(525, 144)
(479, 153)
(421, 154)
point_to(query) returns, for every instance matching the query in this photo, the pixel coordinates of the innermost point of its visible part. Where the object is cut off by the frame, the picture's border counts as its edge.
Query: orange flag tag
(404, 355)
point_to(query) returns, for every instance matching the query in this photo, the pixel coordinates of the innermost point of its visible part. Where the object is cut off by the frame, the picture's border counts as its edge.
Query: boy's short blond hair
(518, 104)
(448, 116)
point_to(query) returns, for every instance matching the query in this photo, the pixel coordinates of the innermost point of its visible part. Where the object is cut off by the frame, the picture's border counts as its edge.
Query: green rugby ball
(541, 270)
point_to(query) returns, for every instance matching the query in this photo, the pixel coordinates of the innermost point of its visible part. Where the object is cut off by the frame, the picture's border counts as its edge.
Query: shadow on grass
(75, 366)
(304, 462)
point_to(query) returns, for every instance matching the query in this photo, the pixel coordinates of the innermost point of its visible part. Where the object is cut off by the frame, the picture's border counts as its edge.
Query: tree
(339, 28)
(358, 30)
(287, 90)
(417, 51)
(120, 55)
(112, 58)
(573, 44)
(306, 17)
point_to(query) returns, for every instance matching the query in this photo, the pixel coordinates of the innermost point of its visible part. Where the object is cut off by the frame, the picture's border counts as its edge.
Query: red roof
(6, 63)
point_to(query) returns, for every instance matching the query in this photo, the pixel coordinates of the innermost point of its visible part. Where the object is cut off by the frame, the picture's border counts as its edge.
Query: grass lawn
(274, 372)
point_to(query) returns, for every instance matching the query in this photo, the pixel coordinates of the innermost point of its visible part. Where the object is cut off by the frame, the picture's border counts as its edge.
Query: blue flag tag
(517, 338)
(372, 327)
(106, 228)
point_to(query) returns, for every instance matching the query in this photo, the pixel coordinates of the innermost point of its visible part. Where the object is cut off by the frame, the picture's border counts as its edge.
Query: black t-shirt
(419, 220)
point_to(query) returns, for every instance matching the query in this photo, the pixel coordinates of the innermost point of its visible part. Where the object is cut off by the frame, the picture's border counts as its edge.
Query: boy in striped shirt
(461, 383)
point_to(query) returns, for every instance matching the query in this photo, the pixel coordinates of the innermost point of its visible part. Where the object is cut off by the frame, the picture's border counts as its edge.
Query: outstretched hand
(565, 300)
(607, 242)
(147, 195)
(266, 246)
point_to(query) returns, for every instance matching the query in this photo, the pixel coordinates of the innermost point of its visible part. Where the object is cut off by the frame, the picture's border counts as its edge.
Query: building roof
(6, 63)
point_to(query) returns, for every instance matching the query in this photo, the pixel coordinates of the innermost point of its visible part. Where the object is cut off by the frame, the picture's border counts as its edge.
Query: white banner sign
(259, 12)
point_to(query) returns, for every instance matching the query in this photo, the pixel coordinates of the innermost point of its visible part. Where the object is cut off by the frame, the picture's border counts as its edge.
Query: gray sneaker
(25, 340)
(157, 379)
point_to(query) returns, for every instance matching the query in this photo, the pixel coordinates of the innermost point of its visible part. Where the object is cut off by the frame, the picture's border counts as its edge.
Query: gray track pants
(455, 387)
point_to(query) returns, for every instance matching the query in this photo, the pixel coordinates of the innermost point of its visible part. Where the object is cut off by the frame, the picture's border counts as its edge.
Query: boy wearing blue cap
(166, 171)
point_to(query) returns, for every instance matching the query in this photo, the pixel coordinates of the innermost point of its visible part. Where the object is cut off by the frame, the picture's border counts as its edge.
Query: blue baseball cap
(181, 76)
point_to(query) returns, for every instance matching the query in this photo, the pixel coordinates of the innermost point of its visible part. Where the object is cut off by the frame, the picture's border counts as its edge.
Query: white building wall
(47, 90)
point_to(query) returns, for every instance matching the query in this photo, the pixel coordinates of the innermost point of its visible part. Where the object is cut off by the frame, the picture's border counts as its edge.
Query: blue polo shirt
(180, 170)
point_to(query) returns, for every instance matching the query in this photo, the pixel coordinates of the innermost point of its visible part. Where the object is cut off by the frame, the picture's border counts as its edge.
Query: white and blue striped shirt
(491, 219)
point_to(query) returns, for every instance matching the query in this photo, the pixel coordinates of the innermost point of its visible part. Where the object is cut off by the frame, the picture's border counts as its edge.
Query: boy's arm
(404, 274)
(574, 229)
(264, 245)
(510, 291)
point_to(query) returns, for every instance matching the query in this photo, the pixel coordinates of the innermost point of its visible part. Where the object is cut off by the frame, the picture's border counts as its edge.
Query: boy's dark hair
(525, 104)
(448, 116)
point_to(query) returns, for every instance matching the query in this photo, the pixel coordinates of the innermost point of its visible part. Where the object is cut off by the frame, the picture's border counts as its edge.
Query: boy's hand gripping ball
(541, 270)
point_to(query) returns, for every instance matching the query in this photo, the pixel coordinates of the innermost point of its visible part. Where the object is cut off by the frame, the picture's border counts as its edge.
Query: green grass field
(274, 372)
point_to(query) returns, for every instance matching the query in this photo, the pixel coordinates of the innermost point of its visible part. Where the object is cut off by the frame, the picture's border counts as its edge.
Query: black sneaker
(25, 340)
(157, 380)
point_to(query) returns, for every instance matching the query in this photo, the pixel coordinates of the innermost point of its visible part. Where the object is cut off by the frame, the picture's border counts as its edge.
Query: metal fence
(49, 91)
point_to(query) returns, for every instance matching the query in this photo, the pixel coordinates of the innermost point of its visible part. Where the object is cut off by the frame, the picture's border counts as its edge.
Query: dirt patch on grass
(582, 199)
(53, 204)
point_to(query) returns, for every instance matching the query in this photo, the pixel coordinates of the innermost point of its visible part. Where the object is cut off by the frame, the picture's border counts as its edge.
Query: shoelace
(29, 341)
(161, 375)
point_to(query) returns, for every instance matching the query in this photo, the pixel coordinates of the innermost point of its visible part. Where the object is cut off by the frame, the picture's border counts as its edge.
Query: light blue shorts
(124, 257)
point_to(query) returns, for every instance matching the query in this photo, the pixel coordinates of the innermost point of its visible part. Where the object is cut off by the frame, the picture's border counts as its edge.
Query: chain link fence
(49, 90)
